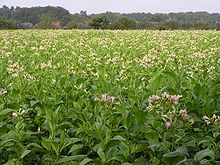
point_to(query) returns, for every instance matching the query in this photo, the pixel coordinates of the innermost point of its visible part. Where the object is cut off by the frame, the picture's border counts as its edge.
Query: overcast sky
(123, 6)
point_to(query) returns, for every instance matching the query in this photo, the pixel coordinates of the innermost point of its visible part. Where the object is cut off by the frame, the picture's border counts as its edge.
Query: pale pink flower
(14, 114)
(167, 124)
(96, 99)
(207, 122)
(214, 116)
(184, 113)
(176, 102)
(118, 103)
(111, 98)
(104, 96)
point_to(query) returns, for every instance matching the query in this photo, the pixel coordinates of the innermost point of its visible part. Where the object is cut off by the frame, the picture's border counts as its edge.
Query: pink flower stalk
(96, 99)
(214, 116)
(205, 118)
(111, 98)
(14, 114)
(118, 103)
(104, 96)
(184, 113)
(167, 124)
(176, 102)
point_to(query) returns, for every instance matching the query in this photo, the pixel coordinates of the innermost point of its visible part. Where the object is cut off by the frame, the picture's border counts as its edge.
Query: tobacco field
(102, 97)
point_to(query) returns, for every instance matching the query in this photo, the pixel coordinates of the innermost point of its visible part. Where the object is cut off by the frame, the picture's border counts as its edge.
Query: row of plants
(109, 97)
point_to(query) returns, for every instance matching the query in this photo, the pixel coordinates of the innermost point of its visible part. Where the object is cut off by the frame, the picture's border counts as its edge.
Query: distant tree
(124, 23)
(99, 22)
(56, 24)
(157, 18)
(71, 25)
(217, 26)
(200, 25)
(6, 24)
(146, 25)
(83, 13)
(169, 25)
(46, 21)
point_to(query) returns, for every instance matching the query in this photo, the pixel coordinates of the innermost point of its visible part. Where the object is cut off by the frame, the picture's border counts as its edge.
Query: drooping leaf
(85, 161)
(26, 152)
(204, 153)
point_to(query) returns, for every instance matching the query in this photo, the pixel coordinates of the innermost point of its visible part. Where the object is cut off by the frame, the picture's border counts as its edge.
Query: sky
(122, 6)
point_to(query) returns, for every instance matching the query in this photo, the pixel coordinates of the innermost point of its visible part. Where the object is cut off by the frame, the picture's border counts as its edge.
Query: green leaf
(181, 151)
(34, 145)
(216, 134)
(141, 116)
(118, 138)
(175, 157)
(172, 75)
(26, 152)
(141, 161)
(75, 147)
(126, 163)
(204, 153)
(70, 158)
(85, 161)
(46, 144)
(101, 154)
(157, 82)
(187, 162)
(111, 144)
(6, 111)
(55, 147)
(33, 103)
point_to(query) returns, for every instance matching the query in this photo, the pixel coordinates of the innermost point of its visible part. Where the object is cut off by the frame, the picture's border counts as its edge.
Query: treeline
(59, 18)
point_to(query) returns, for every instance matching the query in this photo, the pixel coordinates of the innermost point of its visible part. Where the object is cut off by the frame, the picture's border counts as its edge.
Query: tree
(46, 21)
(124, 23)
(169, 25)
(71, 25)
(6, 24)
(217, 26)
(99, 22)
(146, 25)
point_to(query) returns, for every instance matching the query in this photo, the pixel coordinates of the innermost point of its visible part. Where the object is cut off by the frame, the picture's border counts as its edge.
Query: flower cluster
(14, 68)
(215, 119)
(107, 99)
(2, 91)
(44, 65)
(169, 100)
(19, 113)
(166, 107)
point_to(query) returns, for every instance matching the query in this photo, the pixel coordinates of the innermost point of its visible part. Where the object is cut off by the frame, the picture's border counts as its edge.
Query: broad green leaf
(75, 147)
(182, 151)
(175, 157)
(46, 144)
(33, 103)
(141, 116)
(85, 161)
(70, 158)
(118, 138)
(26, 152)
(141, 161)
(33, 145)
(157, 82)
(204, 153)
(101, 154)
(55, 147)
(6, 111)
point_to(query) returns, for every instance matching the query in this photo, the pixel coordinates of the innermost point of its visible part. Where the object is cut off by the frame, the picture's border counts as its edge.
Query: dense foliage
(6, 24)
(188, 20)
(109, 97)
